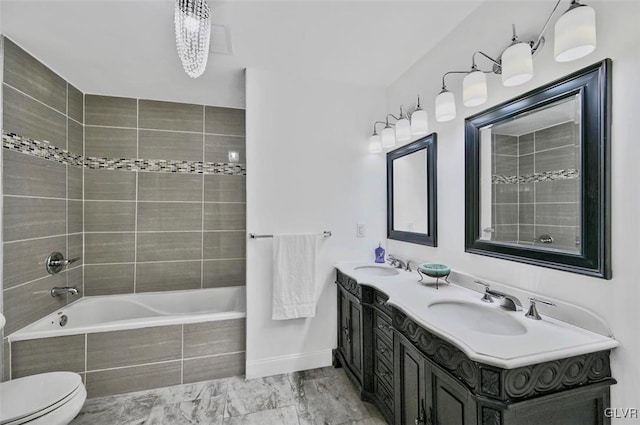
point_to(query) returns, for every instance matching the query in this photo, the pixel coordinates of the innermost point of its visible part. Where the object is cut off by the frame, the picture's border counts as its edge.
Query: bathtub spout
(57, 290)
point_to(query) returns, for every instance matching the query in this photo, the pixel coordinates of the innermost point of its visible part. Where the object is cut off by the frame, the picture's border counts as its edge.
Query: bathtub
(132, 311)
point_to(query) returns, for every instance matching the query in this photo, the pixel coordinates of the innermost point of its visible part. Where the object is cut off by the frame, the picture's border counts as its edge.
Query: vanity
(444, 357)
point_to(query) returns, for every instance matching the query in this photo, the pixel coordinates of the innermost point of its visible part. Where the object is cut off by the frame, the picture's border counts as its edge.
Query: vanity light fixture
(192, 19)
(403, 127)
(388, 135)
(419, 121)
(375, 141)
(575, 33)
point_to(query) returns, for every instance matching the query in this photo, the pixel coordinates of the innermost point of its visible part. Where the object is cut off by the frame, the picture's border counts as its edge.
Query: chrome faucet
(533, 310)
(509, 302)
(56, 291)
(398, 263)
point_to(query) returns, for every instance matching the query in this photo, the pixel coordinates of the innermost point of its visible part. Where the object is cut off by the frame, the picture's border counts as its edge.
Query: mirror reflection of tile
(536, 184)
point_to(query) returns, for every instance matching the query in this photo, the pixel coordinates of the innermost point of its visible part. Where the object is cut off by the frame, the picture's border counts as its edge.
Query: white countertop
(544, 340)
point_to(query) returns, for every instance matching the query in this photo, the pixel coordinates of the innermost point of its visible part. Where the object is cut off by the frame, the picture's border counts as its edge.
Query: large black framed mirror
(538, 176)
(411, 192)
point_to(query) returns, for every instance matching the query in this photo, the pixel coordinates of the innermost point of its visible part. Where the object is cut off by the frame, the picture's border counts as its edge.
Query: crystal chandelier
(193, 31)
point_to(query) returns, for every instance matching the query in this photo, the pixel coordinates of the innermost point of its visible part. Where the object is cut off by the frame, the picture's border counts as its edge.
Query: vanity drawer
(380, 301)
(382, 326)
(383, 371)
(383, 394)
(383, 349)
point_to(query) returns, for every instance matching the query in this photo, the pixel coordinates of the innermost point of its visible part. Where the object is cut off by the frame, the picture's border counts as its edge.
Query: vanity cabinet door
(344, 343)
(355, 332)
(350, 332)
(453, 404)
(412, 392)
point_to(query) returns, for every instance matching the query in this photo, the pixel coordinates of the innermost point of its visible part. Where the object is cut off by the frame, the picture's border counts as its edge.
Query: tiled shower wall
(146, 200)
(154, 230)
(42, 199)
(538, 186)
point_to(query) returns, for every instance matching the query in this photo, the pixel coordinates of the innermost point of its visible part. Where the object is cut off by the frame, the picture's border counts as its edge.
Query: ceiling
(127, 47)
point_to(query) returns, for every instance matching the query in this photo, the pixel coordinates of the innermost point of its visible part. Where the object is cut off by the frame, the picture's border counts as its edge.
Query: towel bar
(326, 234)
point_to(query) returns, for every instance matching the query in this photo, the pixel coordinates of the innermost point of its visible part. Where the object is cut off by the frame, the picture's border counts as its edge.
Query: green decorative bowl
(434, 270)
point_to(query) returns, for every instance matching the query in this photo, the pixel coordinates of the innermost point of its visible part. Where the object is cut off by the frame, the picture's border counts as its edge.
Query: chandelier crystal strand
(193, 32)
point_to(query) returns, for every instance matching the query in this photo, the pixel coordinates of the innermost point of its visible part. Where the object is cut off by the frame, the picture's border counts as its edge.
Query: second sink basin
(477, 318)
(377, 271)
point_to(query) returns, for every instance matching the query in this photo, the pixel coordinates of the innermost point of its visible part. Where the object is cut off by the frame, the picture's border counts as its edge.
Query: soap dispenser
(379, 251)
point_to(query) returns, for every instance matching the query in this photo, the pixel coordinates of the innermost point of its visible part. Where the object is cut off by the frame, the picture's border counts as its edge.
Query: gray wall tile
(107, 350)
(217, 148)
(169, 246)
(74, 181)
(224, 121)
(170, 116)
(75, 137)
(169, 187)
(26, 218)
(64, 353)
(506, 214)
(558, 191)
(29, 118)
(525, 144)
(24, 260)
(566, 214)
(110, 111)
(75, 278)
(109, 248)
(526, 233)
(220, 273)
(111, 142)
(224, 245)
(526, 213)
(75, 104)
(525, 192)
(36, 296)
(213, 338)
(224, 188)
(557, 136)
(108, 279)
(505, 145)
(171, 145)
(171, 276)
(505, 193)
(30, 176)
(75, 248)
(224, 217)
(168, 216)
(135, 378)
(106, 216)
(506, 165)
(109, 185)
(27, 74)
(74, 216)
(525, 165)
(555, 159)
(216, 367)
(506, 233)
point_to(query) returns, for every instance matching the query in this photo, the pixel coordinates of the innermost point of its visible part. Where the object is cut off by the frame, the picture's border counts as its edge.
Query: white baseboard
(287, 364)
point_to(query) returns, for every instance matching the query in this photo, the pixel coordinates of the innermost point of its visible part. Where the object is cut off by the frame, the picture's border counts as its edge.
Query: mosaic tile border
(546, 176)
(45, 150)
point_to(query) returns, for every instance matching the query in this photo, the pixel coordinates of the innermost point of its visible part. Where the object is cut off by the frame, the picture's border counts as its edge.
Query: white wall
(488, 28)
(307, 170)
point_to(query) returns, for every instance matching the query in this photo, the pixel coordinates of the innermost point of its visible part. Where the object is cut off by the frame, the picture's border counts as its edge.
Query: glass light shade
(192, 21)
(445, 106)
(388, 137)
(517, 64)
(575, 34)
(403, 130)
(474, 89)
(419, 122)
(375, 144)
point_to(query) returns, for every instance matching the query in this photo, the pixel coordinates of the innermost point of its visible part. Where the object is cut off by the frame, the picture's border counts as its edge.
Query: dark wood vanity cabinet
(417, 378)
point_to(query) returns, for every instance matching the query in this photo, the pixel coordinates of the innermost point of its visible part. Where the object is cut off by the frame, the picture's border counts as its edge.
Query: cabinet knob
(382, 350)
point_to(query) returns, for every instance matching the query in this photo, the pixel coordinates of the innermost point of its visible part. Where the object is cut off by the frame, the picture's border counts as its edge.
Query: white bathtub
(132, 311)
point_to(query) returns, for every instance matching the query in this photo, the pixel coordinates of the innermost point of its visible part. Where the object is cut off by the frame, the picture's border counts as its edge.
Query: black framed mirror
(538, 176)
(411, 192)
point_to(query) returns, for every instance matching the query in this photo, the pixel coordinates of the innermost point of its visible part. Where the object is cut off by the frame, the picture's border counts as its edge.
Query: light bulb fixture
(375, 141)
(575, 33)
(517, 62)
(474, 88)
(419, 121)
(192, 19)
(403, 127)
(445, 106)
(388, 135)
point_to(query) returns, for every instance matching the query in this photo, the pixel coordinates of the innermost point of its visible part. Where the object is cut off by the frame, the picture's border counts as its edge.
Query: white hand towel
(294, 276)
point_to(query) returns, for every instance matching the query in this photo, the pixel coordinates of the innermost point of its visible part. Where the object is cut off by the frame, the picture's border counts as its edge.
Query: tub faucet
(56, 291)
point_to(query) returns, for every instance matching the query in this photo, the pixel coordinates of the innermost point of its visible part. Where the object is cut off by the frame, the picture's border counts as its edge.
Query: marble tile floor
(314, 397)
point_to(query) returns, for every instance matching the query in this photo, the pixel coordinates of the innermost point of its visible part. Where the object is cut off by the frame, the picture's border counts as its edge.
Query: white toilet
(53, 398)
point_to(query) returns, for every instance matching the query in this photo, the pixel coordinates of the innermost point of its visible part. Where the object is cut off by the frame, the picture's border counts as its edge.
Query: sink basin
(478, 318)
(377, 271)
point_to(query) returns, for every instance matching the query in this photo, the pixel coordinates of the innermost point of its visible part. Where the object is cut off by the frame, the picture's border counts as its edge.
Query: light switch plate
(361, 231)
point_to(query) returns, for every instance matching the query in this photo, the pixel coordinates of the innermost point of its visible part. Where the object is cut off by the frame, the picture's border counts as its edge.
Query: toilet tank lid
(31, 394)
